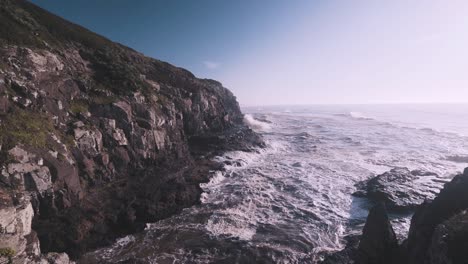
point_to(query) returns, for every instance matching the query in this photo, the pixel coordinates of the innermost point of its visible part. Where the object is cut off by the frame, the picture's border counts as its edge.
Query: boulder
(401, 189)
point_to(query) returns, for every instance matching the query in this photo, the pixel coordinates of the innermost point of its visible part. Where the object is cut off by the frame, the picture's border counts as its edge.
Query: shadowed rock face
(98, 138)
(378, 243)
(438, 229)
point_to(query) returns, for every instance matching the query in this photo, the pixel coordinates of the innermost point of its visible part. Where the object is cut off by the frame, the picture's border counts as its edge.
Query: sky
(281, 52)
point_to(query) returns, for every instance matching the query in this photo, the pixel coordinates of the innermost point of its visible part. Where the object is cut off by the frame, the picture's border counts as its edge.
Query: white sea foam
(358, 115)
(256, 124)
(293, 200)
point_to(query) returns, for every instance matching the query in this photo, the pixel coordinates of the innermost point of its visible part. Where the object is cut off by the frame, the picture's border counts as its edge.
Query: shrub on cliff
(7, 253)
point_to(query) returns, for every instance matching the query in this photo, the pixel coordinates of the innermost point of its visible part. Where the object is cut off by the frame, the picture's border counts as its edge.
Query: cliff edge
(97, 139)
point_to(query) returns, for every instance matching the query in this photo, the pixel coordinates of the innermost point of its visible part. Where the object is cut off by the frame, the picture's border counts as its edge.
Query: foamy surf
(255, 124)
(291, 202)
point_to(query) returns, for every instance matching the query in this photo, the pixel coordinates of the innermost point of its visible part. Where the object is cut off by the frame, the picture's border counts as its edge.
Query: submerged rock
(400, 188)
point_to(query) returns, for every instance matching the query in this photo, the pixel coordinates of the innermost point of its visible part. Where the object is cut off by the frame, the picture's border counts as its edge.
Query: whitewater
(292, 201)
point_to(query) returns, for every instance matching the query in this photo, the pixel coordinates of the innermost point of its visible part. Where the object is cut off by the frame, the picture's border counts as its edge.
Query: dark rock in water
(378, 243)
(97, 139)
(438, 232)
(400, 188)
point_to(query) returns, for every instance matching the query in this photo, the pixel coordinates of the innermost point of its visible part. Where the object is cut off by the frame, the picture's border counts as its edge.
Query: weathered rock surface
(450, 241)
(96, 139)
(438, 229)
(401, 189)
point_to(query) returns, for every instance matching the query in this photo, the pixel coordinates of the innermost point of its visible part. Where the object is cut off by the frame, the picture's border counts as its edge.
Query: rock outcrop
(438, 229)
(401, 189)
(438, 233)
(378, 244)
(96, 139)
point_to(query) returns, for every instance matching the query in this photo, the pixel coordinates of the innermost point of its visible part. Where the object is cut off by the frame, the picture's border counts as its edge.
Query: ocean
(291, 202)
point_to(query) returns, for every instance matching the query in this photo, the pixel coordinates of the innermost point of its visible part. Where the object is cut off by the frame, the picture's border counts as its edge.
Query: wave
(256, 124)
(359, 115)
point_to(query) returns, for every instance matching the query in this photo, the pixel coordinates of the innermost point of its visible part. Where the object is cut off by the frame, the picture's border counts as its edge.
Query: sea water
(292, 201)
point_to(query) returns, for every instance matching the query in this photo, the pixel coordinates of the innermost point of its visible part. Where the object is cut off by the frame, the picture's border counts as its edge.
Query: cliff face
(97, 139)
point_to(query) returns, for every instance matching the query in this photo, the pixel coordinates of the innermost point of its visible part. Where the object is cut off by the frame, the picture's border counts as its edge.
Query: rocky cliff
(95, 138)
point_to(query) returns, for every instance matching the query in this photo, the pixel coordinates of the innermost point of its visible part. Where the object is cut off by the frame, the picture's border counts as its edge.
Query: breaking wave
(292, 201)
(359, 115)
(255, 124)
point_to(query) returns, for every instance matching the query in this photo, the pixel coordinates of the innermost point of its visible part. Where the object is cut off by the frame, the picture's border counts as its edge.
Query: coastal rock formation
(438, 229)
(96, 139)
(401, 189)
(438, 232)
(378, 244)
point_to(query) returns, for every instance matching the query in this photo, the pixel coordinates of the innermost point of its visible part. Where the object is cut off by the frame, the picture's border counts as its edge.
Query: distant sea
(292, 201)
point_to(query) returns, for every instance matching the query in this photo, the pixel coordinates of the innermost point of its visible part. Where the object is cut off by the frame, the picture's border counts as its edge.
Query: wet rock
(440, 223)
(347, 255)
(401, 189)
(378, 244)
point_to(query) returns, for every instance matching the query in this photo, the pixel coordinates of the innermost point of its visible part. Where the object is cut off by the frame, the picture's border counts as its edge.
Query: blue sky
(299, 51)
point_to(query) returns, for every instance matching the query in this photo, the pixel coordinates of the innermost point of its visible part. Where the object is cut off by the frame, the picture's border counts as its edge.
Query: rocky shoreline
(438, 233)
(97, 139)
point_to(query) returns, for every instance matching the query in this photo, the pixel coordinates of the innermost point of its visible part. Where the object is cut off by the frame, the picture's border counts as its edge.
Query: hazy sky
(298, 52)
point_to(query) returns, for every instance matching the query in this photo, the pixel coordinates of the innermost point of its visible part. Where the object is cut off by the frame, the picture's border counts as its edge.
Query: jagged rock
(378, 244)
(15, 223)
(444, 215)
(89, 141)
(450, 241)
(30, 170)
(400, 188)
(57, 258)
(129, 139)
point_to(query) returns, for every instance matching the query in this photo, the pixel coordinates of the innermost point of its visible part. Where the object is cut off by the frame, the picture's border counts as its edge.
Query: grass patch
(78, 106)
(25, 127)
(104, 100)
(7, 253)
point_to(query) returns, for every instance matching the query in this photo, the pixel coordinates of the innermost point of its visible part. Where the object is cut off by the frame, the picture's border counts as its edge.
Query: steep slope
(97, 139)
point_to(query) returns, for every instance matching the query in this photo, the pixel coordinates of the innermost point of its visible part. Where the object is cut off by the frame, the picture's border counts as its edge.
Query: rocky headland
(96, 139)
